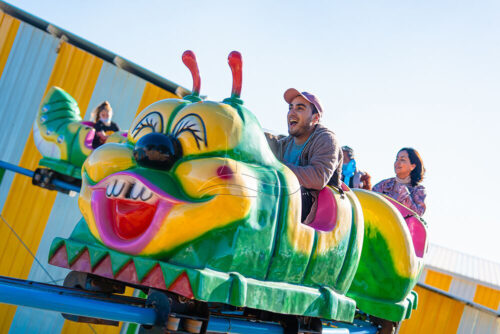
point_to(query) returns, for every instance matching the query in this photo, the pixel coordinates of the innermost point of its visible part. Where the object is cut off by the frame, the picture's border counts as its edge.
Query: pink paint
(105, 216)
(128, 273)
(60, 258)
(155, 278)
(182, 286)
(82, 263)
(326, 214)
(417, 229)
(225, 172)
(89, 138)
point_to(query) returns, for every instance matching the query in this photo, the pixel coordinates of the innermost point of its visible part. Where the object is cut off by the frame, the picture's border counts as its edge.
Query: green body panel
(215, 286)
(251, 261)
(377, 288)
(60, 136)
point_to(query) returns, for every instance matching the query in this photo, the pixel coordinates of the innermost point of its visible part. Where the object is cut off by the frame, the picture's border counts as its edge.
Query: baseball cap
(292, 93)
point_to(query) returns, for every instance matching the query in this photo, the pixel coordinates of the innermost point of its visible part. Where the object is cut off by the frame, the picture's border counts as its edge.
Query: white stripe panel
(22, 85)
(63, 218)
(423, 276)
(474, 321)
(123, 91)
(463, 288)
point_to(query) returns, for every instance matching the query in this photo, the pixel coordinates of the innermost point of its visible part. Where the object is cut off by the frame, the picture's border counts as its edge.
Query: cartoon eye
(153, 121)
(193, 124)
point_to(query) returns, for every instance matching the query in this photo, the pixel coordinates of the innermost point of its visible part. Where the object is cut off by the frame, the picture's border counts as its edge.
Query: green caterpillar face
(137, 208)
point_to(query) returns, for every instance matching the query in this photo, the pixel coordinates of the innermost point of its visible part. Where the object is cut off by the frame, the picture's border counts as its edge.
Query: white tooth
(146, 194)
(109, 189)
(136, 191)
(118, 187)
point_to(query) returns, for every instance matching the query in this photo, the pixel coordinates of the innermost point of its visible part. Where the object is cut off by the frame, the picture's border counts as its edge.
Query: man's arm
(273, 140)
(322, 165)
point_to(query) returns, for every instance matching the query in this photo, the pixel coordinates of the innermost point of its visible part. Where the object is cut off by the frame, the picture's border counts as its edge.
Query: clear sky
(389, 74)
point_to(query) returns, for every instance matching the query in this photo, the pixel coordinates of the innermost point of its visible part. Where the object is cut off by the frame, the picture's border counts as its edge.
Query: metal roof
(94, 49)
(463, 265)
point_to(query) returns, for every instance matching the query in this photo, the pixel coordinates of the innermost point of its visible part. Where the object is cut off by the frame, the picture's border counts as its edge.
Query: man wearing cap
(311, 150)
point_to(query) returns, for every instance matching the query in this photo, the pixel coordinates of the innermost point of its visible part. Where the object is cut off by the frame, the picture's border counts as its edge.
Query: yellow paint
(153, 94)
(438, 280)
(231, 200)
(300, 236)
(108, 159)
(435, 314)
(487, 297)
(222, 127)
(8, 31)
(27, 208)
(383, 217)
(139, 126)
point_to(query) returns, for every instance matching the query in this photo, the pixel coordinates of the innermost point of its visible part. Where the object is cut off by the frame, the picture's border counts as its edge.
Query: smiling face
(301, 120)
(141, 198)
(402, 165)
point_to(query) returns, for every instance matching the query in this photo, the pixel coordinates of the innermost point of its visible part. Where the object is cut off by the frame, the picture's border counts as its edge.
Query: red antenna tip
(189, 59)
(236, 64)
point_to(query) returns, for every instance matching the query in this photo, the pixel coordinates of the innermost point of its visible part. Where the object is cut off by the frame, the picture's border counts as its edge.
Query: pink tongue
(131, 218)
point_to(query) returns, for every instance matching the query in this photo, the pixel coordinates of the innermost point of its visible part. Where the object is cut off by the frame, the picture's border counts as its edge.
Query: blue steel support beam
(65, 300)
(128, 309)
(29, 173)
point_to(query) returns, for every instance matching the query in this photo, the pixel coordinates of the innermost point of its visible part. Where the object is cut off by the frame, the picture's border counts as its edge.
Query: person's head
(409, 163)
(304, 112)
(348, 154)
(103, 113)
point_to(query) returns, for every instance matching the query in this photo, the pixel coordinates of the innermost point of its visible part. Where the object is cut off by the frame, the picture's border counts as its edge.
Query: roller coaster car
(194, 203)
(63, 139)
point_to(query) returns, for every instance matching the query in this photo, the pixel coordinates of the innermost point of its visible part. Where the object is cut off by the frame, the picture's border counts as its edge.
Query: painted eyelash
(197, 129)
(151, 120)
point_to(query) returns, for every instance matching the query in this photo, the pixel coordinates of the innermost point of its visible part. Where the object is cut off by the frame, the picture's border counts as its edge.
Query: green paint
(251, 262)
(2, 172)
(377, 288)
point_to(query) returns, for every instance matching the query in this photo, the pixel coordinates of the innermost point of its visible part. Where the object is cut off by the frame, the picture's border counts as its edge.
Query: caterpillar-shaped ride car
(62, 137)
(194, 203)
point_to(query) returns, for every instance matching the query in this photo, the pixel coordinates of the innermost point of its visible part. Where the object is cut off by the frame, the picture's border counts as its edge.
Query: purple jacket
(411, 197)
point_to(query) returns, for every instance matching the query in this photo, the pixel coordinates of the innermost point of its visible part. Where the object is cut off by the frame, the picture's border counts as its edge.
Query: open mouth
(292, 123)
(129, 210)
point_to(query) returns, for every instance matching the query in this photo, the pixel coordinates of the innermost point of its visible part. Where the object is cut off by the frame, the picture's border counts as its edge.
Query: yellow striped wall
(438, 280)
(437, 313)
(152, 94)
(27, 208)
(463, 288)
(8, 31)
(487, 297)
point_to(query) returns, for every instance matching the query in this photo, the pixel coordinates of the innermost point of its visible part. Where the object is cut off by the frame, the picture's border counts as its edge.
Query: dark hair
(417, 174)
(350, 151)
(314, 109)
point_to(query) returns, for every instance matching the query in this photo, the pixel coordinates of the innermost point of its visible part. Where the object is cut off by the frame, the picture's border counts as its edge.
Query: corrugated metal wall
(487, 297)
(438, 280)
(8, 32)
(475, 321)
(32, 61)
(435, 314)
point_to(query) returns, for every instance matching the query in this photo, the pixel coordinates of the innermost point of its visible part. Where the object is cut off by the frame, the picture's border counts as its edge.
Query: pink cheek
(225, 172)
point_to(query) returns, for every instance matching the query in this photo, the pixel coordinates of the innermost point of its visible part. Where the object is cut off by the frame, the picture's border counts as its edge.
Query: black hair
(417, 174)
